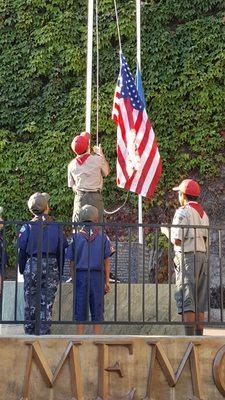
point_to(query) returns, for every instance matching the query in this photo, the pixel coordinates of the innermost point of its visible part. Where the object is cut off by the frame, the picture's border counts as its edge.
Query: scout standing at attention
(190, 246)
(89, 255)
(85, 175)
(45, 236)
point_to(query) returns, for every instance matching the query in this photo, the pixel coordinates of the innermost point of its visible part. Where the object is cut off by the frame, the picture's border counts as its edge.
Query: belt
(45, 255)
(92, 269)
(86, 191)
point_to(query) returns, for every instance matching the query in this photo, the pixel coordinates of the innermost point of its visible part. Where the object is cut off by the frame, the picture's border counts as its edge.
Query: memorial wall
(112, 367)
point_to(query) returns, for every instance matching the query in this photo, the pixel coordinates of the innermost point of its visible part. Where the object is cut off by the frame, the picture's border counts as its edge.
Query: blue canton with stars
(128, 87)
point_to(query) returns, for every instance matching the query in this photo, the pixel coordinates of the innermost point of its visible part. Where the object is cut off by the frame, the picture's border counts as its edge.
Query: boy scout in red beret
(85, 175)
(190, 246)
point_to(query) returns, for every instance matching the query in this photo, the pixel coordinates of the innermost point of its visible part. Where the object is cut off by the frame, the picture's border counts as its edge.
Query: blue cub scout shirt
(53, 241)
(30, 233)
(89, 253)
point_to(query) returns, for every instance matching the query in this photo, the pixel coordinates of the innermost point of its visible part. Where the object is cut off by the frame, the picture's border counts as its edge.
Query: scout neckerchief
(81, 159)
(197, 207)
(43, 218)
(89, 233)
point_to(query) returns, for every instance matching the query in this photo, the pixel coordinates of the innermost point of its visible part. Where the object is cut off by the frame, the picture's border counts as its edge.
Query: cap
(88, 213)
(189, 186)
(38, 202)
(80, 143)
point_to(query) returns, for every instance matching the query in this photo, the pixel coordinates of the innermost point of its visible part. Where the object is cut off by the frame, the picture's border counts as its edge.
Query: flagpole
(89, 64)
(138, 33)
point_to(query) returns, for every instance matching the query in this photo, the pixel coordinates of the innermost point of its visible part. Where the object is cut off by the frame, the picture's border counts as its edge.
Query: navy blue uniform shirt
(44, 234)
(89, 249)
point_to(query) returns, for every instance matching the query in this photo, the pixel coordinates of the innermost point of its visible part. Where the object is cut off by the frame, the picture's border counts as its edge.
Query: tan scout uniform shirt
(193, 238)
(88, 176)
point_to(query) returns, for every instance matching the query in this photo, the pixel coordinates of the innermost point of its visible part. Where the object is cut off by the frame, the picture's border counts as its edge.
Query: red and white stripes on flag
(139, 165)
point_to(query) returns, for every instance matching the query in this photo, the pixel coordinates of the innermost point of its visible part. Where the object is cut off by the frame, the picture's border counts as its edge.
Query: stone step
(214, 332)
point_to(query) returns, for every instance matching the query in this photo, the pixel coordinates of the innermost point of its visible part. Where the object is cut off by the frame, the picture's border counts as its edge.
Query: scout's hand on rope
(98, 150)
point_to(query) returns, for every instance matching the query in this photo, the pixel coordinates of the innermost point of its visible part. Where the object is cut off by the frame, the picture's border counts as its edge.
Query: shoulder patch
(23, 228)
(180, 214)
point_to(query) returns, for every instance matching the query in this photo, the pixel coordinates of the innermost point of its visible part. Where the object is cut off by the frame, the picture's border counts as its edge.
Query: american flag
(139, 165)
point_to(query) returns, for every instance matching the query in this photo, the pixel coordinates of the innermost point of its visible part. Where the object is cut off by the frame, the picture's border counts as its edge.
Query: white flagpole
(89, 64)
(138, 33)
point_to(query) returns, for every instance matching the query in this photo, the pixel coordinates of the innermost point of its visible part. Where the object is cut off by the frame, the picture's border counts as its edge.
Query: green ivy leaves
(42, 91)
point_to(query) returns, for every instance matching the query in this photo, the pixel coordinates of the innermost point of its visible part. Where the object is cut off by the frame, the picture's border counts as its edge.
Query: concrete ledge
(136, 310)
(122, 310)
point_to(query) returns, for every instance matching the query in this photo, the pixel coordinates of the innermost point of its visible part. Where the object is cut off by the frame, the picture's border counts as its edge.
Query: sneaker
(69, 280)
(112, 278)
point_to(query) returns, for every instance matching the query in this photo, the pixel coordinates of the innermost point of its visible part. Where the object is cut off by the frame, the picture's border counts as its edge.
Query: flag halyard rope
(97, 85)
(97, 72)
(118, 26)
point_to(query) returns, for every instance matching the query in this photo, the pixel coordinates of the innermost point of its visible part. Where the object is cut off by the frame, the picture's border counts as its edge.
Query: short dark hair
(191, 198)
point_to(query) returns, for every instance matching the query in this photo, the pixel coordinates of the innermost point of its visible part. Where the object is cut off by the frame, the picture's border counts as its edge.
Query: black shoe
(112, 278)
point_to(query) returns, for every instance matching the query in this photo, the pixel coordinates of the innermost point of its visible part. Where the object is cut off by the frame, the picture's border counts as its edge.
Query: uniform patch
(179, 219)
(180, 215)
(22, 229)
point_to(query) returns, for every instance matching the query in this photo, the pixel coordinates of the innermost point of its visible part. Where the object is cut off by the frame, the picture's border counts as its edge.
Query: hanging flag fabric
(139, 165)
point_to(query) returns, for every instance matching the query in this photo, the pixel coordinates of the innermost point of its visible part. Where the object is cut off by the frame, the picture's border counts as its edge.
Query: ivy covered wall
(42, 92)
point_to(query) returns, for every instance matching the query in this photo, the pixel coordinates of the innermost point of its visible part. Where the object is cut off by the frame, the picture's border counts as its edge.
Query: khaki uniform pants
(91, 198)
(191, 282)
